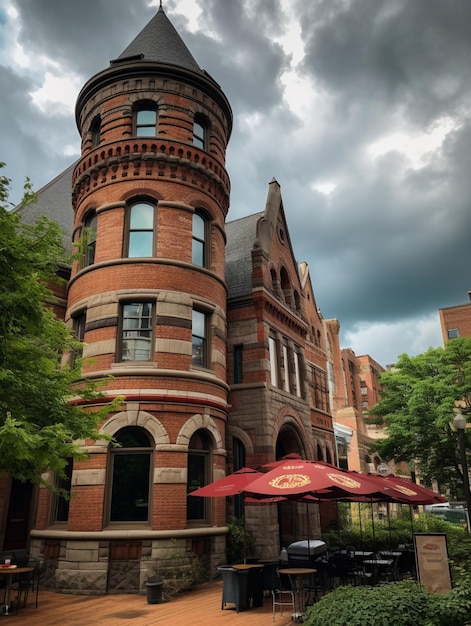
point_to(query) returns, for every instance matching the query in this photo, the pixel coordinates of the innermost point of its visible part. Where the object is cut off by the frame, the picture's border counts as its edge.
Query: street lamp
(459, 423)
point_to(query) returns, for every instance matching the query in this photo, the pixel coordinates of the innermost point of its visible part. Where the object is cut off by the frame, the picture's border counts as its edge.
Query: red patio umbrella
(230, 485)
(295, 477)
(411, 493)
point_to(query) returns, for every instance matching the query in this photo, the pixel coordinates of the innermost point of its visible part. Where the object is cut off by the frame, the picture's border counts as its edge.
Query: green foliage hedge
(404, 603)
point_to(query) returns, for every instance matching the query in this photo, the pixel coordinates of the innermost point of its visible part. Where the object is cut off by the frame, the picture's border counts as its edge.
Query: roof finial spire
(161, 4)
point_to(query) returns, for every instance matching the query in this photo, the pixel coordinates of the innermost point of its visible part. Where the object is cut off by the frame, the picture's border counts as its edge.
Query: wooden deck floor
(199, 607)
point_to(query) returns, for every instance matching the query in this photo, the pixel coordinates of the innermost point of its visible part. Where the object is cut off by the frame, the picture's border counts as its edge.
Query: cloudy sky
(361, 109)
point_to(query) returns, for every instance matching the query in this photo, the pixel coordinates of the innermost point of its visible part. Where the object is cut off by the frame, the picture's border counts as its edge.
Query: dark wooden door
(18, 518)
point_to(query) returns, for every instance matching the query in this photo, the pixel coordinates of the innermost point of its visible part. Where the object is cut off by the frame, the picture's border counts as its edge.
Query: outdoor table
(255, 585)
(378, 565)
(379, 562)
(355, 553)
(296, 576)
(9, 572)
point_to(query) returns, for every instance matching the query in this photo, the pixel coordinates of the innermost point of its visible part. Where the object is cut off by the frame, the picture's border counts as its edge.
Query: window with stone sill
(88, 240)
(140, 230)
(78, 329)
(200, 248)
(199, 339)
(136, 326)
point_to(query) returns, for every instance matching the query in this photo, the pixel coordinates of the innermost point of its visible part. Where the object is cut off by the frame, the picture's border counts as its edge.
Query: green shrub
(237, 536)
(395, 604)
(404, 603)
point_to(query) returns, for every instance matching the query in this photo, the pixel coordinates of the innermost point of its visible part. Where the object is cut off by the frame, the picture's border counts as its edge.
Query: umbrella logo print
(290, 481)
(405, 490)
(344, 481)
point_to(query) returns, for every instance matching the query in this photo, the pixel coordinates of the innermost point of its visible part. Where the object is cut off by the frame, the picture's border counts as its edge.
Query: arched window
(140, 230)
(199, 239)
(199, 474)
(130, 471)
(145, 119)
(89, 239)
(95, 129)
(201, 131)
(286, 285)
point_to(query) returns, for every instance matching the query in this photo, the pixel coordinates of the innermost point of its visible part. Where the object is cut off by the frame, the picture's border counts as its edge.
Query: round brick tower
(147, 297)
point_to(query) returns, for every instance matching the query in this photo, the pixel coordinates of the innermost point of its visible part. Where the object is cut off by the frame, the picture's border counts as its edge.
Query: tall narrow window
(89, 239)
(238, 353)
(200, 132)
(130, 476)
(273, 361)
(95, 129)
(136, 331)
(141, 230)
(199, 339)
(199, 457)
(78, 328)
(199, 234)
(286, 386)
(297, 374)
(62, 498)
(145, 120)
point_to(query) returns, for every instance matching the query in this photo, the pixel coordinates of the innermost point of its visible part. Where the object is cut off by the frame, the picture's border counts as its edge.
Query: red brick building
(455, 321)
(209, 331)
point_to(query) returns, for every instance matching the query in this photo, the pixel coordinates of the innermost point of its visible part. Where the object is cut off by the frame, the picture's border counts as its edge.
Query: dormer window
(145, 120)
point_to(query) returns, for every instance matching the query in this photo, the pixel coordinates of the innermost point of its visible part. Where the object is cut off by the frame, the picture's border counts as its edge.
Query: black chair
(283, 595)
(26, 582)
(234, 587)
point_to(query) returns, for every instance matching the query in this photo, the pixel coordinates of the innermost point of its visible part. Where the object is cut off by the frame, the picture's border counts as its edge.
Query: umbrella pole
(388, 511)
(244, 542)
(373, 526)
(361, 524)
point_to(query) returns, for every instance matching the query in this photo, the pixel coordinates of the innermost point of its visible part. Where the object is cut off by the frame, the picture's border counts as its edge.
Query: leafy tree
(418, 401)
(39, 428)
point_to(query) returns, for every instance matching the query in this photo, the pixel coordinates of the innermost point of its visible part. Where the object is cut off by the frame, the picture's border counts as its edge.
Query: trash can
(154, 586)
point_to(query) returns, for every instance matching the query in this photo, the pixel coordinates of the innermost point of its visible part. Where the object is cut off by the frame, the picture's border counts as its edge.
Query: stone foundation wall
(97, 567)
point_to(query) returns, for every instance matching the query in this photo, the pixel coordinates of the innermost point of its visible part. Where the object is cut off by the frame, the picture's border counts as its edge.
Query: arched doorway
(292, 522)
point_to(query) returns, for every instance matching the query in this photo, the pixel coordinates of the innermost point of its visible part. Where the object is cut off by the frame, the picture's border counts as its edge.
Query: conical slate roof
(160, 42)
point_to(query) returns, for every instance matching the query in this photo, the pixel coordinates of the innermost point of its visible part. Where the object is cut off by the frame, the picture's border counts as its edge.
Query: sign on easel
(433, 569)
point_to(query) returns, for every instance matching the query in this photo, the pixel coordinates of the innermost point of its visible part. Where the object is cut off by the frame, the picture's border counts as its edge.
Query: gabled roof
(54, 201)
(241, 236)
(159, 42)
